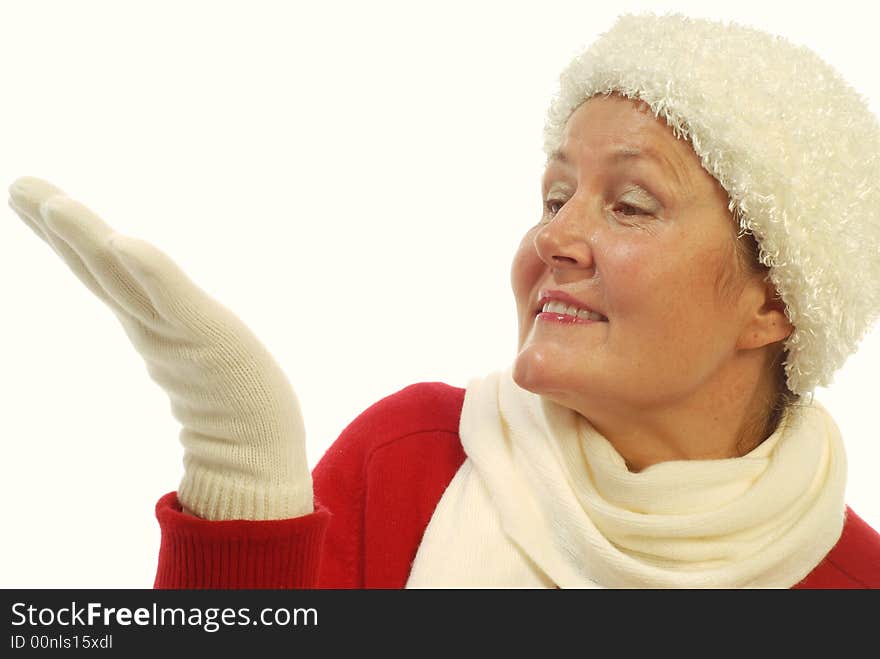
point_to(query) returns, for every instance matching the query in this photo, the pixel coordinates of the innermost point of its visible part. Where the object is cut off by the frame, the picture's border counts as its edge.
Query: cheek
(525, 270)
(658, 287)
(632, 277)
(667, 296)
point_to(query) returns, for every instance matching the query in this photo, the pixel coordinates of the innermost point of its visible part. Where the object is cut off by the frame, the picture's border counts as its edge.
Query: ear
(766, 322)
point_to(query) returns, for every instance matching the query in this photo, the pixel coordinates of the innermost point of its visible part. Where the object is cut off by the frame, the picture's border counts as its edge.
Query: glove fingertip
(53, 208)
(32, 188)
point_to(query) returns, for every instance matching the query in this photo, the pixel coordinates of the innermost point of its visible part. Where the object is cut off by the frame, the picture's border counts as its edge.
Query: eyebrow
(628, 153)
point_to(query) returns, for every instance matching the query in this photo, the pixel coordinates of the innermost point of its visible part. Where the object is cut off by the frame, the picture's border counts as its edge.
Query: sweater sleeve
(198, 553)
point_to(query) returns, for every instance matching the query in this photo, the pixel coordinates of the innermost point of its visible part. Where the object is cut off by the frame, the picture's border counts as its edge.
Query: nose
(564, 241)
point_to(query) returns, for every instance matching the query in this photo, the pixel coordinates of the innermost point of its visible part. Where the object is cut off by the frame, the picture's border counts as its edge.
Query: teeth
(559, 307)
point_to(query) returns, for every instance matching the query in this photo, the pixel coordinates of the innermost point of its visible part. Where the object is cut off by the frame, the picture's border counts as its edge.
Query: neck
(726, 417)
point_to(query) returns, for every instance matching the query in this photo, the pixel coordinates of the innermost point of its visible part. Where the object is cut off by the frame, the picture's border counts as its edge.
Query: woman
(685, 290)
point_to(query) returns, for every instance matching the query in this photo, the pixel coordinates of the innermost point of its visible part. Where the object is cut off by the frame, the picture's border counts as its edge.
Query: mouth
(560, 311)
(559, 305)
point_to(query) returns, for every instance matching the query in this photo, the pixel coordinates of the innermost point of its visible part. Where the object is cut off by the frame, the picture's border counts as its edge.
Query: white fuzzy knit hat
(794, 146)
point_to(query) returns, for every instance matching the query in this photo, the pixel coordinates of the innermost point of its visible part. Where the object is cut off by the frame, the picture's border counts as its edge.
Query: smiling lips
(565, 313)
(561, 307)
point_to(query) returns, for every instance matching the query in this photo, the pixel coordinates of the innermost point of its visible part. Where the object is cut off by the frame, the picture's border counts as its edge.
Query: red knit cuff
(198, 553)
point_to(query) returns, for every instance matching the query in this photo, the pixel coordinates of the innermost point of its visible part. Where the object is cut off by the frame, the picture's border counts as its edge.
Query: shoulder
(854, 562)
(381, 480)
(425, 406)
(426, 412)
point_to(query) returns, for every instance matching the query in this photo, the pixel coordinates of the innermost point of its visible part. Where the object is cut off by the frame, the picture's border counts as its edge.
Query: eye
(553, 206)
(629, 211)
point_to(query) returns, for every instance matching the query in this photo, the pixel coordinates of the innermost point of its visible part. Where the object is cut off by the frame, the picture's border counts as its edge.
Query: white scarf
(544, 500)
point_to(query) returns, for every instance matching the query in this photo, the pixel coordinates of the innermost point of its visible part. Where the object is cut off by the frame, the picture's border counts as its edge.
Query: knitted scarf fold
(544, 500)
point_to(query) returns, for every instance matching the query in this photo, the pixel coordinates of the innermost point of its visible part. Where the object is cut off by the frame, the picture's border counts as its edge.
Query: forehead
(613, 127)
(618, 118)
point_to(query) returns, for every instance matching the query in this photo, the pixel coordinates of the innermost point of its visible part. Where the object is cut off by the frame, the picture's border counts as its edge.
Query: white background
(350, 178)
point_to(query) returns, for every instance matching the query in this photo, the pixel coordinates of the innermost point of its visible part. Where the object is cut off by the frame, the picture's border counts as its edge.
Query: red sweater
(375, 491)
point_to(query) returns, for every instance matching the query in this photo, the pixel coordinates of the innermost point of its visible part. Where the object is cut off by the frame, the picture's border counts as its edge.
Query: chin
(547, 372)
(540, 372)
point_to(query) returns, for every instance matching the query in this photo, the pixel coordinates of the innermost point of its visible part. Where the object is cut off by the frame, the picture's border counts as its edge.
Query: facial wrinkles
(678, 170)
(623, 164)
(645, 140)
(640, 199)
(613, 189)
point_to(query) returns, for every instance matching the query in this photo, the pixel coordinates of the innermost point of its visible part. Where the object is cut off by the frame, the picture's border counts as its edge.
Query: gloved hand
(243, 433)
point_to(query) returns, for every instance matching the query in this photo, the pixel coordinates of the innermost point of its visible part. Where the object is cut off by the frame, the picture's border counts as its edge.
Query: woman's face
(634, 229)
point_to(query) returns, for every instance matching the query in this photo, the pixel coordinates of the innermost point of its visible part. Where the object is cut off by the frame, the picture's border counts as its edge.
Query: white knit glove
(243, 434)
